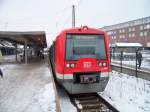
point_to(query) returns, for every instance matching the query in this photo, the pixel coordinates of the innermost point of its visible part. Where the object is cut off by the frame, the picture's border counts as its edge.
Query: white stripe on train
(65, 76)
(70, 76)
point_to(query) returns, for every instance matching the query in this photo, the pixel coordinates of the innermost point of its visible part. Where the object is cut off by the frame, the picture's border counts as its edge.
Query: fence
(131, 59)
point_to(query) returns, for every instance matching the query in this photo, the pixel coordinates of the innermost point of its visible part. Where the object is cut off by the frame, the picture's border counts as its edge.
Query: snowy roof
(126, 45)
(6, 44)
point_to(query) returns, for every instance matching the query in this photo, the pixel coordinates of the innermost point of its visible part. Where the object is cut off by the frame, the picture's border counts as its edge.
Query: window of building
(123, 30)
(130, 29)
(130, 35)
(141, 34)
(133, 34)
(148, 26)
(145, 26)
(133, 29)
(141, 27)
(119, 31)
(114, 37)
(120, 36)
(145, 33)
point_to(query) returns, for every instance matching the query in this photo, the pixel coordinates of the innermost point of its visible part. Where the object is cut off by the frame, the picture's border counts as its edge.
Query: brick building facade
(136, 31)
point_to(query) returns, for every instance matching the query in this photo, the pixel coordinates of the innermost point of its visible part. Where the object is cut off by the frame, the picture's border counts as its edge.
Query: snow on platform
(65, 103)
(26, 88)
(128, 93)
(46, 98)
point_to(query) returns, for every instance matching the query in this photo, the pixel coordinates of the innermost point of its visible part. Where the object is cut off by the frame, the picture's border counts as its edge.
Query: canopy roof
(32, 38)
(131, 45)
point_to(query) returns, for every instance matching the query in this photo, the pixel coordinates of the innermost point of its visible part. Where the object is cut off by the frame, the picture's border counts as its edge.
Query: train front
(87, 64)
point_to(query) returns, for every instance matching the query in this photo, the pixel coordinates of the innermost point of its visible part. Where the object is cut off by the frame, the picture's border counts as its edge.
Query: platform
(26, 88)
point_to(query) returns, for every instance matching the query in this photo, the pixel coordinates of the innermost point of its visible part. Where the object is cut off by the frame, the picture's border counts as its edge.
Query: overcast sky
(55, 15)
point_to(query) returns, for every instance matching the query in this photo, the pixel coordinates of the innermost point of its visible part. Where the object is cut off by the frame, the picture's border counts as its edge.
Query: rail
(91, 102)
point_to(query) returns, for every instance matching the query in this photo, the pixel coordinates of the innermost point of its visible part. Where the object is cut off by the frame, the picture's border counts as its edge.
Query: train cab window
(85, 45)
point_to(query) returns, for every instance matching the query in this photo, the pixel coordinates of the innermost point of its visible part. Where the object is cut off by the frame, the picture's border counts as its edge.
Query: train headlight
(100, 64)
(104, 64)
(72, 65)
(68, 65)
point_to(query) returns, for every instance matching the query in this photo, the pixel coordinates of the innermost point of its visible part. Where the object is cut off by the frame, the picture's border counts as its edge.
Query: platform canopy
(37, 38)
(131, 45)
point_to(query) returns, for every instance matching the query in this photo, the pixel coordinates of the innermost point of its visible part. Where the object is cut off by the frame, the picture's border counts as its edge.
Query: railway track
(91, 102)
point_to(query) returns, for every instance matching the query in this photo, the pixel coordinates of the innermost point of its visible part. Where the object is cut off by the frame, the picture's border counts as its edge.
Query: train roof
(82, 29)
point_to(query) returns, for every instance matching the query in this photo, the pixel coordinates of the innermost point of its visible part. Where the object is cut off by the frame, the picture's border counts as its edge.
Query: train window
(85, 45)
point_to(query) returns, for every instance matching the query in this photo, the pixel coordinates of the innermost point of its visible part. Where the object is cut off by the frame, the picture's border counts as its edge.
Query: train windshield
(85, 46)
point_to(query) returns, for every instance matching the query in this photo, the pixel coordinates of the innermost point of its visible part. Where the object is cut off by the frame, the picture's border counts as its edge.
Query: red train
(80, 59)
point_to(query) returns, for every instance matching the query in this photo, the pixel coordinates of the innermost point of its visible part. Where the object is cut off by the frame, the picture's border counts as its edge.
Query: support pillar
(25, 53)
(16, 47)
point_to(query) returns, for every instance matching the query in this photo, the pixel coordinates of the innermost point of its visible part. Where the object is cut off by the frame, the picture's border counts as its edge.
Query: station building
(135, 31)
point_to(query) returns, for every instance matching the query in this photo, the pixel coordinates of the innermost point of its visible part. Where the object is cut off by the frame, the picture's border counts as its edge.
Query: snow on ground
(46, 98)
(128, 93)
